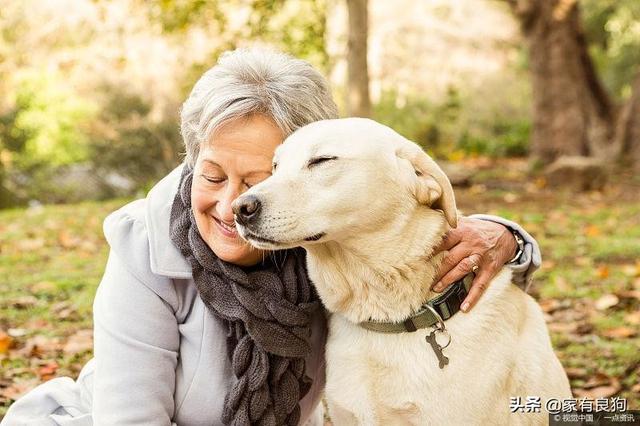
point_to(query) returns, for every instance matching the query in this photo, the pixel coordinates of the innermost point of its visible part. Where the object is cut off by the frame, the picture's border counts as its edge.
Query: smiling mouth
(230, 227)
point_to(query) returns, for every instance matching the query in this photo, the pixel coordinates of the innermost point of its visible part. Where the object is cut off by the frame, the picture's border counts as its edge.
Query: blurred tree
(295, 26)
(42, 131)
(47, 122)
(628, 128)
(573, 112)
(126, 140)
(612, 29)
(358, 100)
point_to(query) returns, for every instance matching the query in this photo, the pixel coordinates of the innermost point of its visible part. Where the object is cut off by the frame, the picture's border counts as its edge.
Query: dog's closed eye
(318, 160)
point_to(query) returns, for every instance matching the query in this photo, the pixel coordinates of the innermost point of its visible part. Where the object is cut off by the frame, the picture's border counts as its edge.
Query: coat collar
(165, 258)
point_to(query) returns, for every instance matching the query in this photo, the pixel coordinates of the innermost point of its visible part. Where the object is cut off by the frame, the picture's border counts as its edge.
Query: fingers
(450, 239)
(463, 265)
(478, 286)
(450, 260)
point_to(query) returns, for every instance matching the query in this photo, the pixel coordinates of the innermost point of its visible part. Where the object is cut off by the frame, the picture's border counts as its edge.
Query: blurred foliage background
(91, 88)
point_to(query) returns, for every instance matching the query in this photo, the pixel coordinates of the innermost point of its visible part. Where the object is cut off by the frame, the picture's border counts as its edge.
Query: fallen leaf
(629, 294)
(68, 314)
(598, 379)
(599, 386)
(584, 328)
(576, 373)
(607, 301)
(562, 327)
(592, 231)
(620, 332)
(64, 310)
(38, 346)
(24, 302)
(79, 342)
(48, 371)
(5, 342)
(38, 324)
(571, 327)
(549, 305)
(67, 241)
(602, 271)
(17, 332)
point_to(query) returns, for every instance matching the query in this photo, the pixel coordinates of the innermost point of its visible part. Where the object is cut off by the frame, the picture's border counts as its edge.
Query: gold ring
(475, 268)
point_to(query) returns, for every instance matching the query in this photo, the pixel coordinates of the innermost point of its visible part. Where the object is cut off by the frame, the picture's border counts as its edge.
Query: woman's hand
(476, 245)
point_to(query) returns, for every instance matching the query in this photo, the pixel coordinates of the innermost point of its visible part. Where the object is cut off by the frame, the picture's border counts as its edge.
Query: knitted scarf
(267, 313)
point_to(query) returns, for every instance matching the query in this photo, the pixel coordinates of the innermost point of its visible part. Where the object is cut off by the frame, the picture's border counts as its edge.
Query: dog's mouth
(250, 236)
(260, 241)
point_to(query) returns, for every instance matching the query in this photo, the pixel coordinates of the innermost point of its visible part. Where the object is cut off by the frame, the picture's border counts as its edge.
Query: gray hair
(254, 81)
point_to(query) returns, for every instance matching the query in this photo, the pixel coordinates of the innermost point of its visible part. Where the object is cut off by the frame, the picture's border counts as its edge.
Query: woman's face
(237, 157)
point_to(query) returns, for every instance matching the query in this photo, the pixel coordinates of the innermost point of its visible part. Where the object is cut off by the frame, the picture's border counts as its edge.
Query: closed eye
(317, 160)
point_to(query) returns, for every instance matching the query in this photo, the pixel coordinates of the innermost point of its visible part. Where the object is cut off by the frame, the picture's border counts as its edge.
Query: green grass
(590, 244)
(50, 255)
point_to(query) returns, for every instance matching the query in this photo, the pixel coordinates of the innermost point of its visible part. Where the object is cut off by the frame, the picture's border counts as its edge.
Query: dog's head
(335, 179)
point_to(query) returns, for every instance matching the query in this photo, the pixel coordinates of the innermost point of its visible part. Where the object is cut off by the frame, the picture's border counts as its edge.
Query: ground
(52, 258)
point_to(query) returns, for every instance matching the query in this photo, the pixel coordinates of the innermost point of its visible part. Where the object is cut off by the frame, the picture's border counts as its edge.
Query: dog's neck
(379, 276)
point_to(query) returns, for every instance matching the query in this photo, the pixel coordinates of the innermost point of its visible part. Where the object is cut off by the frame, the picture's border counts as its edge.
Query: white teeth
(227, 227)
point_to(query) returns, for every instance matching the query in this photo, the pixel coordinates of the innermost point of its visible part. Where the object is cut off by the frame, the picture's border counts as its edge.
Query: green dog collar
(446, 305)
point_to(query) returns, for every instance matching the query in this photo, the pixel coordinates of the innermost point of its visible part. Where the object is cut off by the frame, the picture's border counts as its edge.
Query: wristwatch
(520, 242)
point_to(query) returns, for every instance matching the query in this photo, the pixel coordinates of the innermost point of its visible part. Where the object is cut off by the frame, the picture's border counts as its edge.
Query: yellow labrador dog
(369, 206)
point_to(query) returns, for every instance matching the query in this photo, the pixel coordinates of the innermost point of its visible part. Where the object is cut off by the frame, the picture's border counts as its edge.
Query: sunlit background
(533, 108)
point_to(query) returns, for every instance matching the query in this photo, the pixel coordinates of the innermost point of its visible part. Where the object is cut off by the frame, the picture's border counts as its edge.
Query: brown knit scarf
(267, 312)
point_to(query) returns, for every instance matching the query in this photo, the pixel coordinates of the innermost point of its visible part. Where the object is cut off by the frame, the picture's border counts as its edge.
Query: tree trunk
(358, 101)
(572, 112)
(628, 128)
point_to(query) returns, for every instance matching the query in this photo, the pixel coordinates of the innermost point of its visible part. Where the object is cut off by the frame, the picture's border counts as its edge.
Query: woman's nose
(224, 205)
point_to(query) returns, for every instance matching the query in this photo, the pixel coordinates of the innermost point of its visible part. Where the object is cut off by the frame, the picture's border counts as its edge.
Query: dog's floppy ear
(432, 186)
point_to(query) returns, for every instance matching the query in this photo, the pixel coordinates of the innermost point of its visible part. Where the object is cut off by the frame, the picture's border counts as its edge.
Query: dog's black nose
(246, 208)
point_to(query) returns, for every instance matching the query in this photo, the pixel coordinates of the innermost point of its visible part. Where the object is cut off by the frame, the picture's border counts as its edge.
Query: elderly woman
(193, 326)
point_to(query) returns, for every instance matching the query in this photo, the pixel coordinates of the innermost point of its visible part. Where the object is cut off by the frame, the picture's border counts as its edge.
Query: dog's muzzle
(246, 209)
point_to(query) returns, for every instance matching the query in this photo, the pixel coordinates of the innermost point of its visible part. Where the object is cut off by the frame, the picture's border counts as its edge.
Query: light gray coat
(159, 354)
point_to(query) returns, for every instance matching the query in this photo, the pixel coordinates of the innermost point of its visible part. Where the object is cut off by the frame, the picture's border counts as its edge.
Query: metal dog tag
(431, 339)
(438, 327)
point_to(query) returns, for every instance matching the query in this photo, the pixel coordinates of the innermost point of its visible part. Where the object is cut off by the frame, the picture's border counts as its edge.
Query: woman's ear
(432, 186)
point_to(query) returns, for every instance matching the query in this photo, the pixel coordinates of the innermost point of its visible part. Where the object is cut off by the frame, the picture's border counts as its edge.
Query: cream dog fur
(369, 207)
